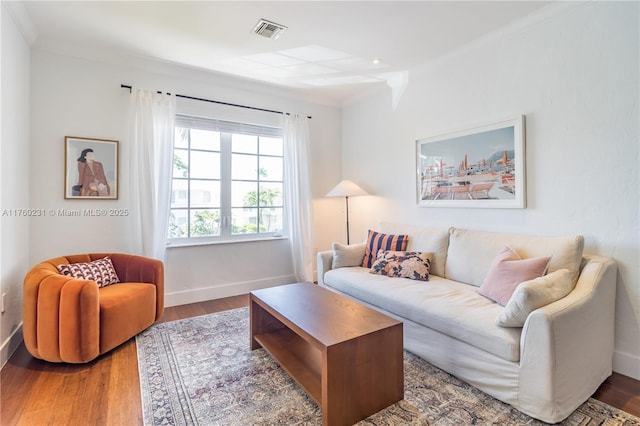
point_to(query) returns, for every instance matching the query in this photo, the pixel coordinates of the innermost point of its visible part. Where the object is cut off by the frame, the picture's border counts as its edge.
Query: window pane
(205, 222)
(244, 221)
(205, 139)
(182, 138)
(271, 220)
(180, 163)
(244, 167)
(205, 165)
(205, 193)
(270, 194)
(270, 146)
(244, 194)
(179, 193)
(251, 180)
(178, 224)
(271, 168)
(244, 143)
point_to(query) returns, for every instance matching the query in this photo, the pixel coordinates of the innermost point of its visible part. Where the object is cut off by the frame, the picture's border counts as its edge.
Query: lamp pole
(346, 198)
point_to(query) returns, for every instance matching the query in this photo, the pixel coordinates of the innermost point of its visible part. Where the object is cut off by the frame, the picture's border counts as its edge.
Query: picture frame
(480, 167)
(90, 168)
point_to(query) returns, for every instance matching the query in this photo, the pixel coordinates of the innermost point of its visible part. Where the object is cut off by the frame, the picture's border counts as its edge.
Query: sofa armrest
(350, 255)
(325, 259)
(567, 346)
(51, 305)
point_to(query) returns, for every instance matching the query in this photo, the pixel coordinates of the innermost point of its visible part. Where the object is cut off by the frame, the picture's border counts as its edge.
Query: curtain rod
(124, 86)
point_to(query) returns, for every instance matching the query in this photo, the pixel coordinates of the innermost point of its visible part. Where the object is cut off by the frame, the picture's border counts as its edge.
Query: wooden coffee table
(346, 356)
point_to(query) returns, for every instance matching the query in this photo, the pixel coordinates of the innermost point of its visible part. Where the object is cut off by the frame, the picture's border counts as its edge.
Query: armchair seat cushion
(125, 309)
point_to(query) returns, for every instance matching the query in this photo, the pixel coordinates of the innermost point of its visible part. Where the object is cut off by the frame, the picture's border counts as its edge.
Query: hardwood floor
(106, 391)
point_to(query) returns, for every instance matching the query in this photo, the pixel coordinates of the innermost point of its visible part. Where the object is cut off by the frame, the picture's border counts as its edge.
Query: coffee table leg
(261, 322)
(362, 376)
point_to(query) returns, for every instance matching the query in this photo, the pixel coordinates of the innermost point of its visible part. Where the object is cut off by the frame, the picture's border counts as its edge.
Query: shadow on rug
(201, 371)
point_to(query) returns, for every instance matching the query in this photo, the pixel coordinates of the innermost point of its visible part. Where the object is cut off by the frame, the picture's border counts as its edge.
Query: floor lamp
(346, 189)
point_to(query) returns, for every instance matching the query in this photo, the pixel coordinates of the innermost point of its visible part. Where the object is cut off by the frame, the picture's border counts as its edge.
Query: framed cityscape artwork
(480, 167)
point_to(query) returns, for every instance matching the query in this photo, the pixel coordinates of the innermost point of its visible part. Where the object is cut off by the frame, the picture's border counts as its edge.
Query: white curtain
(297, 192)
(152, 132)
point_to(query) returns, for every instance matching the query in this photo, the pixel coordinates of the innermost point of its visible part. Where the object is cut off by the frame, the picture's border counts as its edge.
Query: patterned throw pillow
(385, 242)
(101, 271)
(403, 264)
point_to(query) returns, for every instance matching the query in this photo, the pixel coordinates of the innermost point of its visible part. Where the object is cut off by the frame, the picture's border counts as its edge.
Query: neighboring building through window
(227, 181)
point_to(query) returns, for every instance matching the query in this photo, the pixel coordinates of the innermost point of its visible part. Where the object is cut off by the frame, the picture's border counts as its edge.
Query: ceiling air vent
(268, 29)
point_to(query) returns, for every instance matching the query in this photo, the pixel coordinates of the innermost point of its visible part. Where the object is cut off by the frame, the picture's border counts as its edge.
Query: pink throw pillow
(507, 271)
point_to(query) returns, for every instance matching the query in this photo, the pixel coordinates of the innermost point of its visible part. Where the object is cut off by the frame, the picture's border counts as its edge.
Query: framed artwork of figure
(91, 168)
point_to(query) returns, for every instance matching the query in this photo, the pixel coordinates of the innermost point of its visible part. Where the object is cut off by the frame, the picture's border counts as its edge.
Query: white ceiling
(327, 50)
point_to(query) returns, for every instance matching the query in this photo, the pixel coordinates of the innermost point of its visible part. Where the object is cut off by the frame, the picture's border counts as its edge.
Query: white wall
(79, 97)
(14, 180)
(574, 73)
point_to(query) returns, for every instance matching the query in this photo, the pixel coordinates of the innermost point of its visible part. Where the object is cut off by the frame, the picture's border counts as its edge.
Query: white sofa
(546, 368)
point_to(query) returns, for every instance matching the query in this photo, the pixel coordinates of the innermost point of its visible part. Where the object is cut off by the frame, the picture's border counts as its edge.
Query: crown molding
(23, 21)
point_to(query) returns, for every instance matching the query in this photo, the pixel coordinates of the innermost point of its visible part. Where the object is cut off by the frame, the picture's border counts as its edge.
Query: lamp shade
(346, 188)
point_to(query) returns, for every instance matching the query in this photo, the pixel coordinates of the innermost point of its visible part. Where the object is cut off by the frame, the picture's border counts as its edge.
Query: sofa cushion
(125, 310)
(380, 241)
(423, 239)
(507, 271)
(534, 294)
(346, 256)
(101, 271)
(449, 307)
(471, 253)
(403, 264)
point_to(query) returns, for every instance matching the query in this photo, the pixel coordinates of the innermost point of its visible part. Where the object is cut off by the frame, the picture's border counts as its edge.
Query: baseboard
(225, 290)
(626, 364)
(10, 345)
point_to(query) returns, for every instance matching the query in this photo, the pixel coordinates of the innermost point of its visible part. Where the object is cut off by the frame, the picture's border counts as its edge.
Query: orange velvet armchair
(73, 320)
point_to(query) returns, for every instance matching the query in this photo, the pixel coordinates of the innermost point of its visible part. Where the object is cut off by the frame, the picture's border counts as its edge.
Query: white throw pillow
(346, 256)
(534, 294)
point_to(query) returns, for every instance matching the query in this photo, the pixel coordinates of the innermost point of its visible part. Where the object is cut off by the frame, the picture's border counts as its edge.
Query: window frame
(227, 129)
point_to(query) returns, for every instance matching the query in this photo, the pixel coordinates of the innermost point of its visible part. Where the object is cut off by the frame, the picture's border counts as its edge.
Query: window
(227, 181)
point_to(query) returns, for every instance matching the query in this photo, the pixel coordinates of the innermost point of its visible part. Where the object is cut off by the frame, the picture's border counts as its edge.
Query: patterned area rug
(200, 371)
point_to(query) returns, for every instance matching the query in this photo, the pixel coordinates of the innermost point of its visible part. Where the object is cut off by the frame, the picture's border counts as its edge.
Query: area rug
(201, 371)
